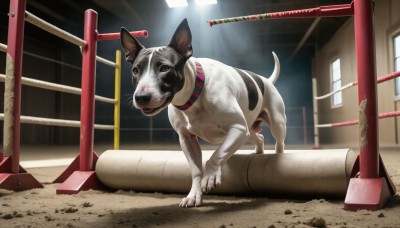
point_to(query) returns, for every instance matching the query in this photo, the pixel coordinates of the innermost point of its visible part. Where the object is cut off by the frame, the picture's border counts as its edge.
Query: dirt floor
(44, 208)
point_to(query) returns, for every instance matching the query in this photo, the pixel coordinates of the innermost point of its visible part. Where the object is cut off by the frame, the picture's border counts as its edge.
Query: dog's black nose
(142, 98)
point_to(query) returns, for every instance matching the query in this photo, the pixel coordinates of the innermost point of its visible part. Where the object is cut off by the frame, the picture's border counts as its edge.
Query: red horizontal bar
(354, 122)
(115, 36)
(345, 123)
(384, 78)
(388, 76)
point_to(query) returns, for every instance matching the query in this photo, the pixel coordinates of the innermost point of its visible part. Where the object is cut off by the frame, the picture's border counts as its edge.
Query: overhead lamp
(176, 3)
(205, 2)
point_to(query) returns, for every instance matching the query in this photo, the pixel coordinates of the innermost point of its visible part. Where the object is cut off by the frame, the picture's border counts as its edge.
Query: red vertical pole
(370, 191)
(88, 91)
(85, 178)
(365, 52)
(12, 176)
(12, 111)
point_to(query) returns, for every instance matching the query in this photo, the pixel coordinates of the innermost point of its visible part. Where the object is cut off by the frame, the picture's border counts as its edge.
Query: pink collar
(198, 87)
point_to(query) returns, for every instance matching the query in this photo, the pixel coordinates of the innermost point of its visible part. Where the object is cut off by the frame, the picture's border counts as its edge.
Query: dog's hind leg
(278, 130)
(256, 137)
(277, 124)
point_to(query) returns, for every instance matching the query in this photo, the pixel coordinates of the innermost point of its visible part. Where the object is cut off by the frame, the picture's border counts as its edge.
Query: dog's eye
(164, 68)
(135, 71)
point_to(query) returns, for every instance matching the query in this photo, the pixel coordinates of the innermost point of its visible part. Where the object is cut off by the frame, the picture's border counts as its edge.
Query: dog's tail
(277, 69)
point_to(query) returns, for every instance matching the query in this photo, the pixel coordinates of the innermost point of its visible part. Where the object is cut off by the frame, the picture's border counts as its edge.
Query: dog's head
(157, 73)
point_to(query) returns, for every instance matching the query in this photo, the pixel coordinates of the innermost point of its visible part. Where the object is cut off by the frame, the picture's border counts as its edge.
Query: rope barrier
(34, 20)
(57, 122)
(106, 62)
(9, 156)
(379, 80)
(57, 87)
(335, 91)
(354, 122)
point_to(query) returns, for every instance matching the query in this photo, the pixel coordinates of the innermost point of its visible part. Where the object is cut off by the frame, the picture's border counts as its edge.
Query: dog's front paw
(193, 199)
(190, 202)
(211, 178)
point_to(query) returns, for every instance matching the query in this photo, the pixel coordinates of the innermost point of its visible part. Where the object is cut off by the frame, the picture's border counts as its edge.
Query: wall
(342, 45)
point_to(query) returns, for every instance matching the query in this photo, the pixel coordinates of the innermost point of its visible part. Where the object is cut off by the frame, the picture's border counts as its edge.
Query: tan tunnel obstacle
(317, 173)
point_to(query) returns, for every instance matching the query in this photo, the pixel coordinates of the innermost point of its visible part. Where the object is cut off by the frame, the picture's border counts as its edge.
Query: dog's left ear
(131, 46)
(182, 40)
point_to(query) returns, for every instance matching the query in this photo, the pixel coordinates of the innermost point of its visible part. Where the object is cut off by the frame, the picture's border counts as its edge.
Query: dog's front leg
(237, 134)
(191, 148)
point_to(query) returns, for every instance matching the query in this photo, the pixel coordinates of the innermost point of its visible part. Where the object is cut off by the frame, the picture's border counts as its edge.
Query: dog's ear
(182, 40)
(131, 46)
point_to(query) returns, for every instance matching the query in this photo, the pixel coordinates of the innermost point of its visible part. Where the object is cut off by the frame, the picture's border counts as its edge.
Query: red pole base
(80, 181)
(366, 193)
(369, 193)
(74, 166)
(16, 181)
(74, 180)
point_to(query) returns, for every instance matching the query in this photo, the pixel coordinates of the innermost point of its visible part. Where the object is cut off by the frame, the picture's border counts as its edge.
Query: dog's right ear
(131, 46)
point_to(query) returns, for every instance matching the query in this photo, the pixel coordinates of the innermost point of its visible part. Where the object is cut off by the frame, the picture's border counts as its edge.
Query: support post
(304, 111)
(12, 176)
(315, 104)
(88, 91)
(117, 97)
(85, 178)
(370, 191)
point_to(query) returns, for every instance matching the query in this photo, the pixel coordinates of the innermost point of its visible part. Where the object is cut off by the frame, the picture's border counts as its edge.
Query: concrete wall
(342, 45)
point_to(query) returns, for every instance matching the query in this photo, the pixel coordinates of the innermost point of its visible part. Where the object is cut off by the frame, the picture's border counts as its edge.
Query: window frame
(333, 70)
(396, 62)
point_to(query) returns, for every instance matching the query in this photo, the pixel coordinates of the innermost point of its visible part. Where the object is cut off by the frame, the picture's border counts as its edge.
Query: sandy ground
(44, 208)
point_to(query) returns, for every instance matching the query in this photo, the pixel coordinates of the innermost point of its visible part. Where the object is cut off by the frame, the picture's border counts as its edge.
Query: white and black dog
(207, 99)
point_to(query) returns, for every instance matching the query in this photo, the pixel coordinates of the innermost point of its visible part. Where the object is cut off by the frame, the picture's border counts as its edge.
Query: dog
(206, 99)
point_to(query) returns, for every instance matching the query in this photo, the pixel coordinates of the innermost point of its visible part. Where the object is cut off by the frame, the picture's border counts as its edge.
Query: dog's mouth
(153, 111)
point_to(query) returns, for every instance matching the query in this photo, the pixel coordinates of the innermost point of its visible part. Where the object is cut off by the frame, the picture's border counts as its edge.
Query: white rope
(57, 87)
(323, 125)
(56, 122)
(3, 47)
(106, 62)
(333, 92)
(53, 29)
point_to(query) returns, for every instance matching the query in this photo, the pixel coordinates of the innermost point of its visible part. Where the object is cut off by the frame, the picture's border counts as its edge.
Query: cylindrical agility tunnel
(316, 173)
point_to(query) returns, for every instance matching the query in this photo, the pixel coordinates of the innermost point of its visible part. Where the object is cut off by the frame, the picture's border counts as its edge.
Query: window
(396, 48)
(336, 76)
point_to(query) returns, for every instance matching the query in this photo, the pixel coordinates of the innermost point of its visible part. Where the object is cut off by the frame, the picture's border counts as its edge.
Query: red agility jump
(80, 174)
(372, 189)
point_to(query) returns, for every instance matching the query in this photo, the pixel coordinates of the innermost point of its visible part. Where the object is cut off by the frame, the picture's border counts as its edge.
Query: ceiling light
(205, 2)
(176, 3)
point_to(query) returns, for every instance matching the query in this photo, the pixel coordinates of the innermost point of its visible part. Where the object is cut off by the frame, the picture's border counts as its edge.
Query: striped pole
(322, 11)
